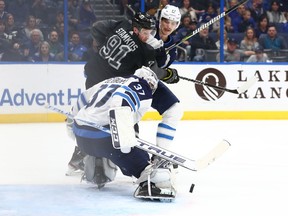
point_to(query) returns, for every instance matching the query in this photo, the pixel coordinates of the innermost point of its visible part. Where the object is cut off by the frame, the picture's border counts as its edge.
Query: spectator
(60, 30)
(36, 37)
(15, 53)
(175, 3)
(256, 9)
(151, 9)
(262, 25)
(274, 14)
(14, 33)
(163, 3)
(56, 47)
(40, 11)
(209, 14)
(237, 17)
(4, 41)
(44, 54)
(229, 28)
(3, 13)
(31, 23)
(76, 49)
(188, 26)
(272, 40)
(20, 10)
(232, 54)
(59, 20)
(73, 14)
(218, 39)
(186, 8)
(247, 21)
(86, 15)
(216, 24)
(249, 42)
(202, 40)
(259, 56)
(233, 14)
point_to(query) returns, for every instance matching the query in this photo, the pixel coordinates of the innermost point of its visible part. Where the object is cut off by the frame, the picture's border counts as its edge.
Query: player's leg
(99, 170)
(167, 104)
(157, 181)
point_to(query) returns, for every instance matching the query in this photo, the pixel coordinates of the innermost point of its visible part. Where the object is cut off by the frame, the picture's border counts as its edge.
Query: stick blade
(216, 152)
(250, 82)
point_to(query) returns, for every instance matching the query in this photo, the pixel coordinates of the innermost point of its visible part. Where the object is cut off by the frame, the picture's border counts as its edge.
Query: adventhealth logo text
(23, 98)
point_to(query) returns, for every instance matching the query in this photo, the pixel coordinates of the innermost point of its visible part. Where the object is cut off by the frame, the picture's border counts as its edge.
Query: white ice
(251, 178)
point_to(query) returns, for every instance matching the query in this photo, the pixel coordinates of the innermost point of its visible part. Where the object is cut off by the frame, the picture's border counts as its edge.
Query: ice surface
(251, 178)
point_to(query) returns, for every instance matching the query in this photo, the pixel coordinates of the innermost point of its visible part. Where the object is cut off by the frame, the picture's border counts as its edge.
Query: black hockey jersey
(120, 55)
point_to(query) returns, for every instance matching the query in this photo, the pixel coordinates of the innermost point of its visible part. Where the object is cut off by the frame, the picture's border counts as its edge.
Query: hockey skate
(157, 182)
(76, 164)
(148, 190)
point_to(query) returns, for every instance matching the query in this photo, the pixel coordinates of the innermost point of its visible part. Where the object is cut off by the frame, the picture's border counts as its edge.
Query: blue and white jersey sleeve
(93, 105)
(164, 60)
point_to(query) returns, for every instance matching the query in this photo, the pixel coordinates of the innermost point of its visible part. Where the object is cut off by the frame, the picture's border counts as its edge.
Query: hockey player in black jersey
(122, 50)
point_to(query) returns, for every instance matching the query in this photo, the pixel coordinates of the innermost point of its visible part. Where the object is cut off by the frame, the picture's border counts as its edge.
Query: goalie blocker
(122, 128)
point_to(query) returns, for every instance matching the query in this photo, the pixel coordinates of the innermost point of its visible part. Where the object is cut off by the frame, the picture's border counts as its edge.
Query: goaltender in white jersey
(127, 99)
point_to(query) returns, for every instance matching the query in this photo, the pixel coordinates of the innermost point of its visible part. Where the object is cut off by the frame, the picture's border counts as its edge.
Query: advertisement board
(25, 89)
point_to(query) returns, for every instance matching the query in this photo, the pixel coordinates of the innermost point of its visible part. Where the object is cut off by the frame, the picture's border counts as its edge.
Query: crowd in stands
(254, 27)
(34, 30)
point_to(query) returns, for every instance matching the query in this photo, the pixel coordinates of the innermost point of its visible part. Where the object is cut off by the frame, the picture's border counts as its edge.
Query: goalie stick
(215, 19)
(193, 165)
(250, 81)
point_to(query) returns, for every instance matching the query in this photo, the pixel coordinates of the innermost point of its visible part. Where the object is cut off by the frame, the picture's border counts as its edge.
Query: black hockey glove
(172, 76)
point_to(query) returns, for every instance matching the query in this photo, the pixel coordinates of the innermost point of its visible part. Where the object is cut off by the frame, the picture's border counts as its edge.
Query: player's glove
(69, 128)
(156, 44)
(172, 76)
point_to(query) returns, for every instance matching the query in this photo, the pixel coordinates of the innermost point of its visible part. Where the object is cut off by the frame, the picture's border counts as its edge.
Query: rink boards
(25, 88)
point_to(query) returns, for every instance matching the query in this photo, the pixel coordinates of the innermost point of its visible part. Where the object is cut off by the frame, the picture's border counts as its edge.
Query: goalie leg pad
(156, 184)
(99, 170)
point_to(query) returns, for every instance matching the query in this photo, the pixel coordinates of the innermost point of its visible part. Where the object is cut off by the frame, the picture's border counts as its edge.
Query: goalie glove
(69, 128)
(172, 76)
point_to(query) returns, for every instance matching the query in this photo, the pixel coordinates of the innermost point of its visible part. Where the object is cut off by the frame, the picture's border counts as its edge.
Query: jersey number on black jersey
(114, 51)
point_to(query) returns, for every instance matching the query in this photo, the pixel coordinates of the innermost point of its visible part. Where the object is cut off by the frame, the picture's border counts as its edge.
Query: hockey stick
(193, 165)
(215, 19)
(251, 81)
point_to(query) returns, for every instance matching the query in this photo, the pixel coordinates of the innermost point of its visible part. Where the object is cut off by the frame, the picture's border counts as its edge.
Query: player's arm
(168, 75)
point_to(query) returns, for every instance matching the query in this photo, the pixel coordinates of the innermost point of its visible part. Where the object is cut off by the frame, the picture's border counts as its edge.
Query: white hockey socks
(167, 127)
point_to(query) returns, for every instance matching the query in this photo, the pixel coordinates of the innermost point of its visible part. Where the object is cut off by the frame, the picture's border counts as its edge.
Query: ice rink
(250, 178)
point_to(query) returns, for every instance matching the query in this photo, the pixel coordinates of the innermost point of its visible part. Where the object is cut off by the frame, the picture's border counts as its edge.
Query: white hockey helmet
(147, 74)
(171, 12)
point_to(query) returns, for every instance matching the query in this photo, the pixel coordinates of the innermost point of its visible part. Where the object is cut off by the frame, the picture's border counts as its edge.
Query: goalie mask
(147, 74)
(172, 13)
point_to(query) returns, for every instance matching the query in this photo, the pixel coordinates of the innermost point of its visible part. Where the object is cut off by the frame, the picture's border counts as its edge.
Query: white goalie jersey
(93, 104)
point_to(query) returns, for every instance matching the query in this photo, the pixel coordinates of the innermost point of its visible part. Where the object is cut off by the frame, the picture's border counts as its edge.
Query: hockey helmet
(171, 12)
(147, 74)
(143, 20)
